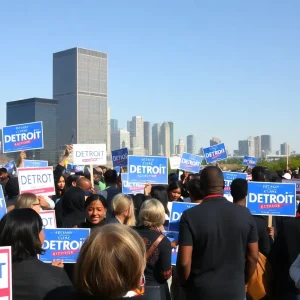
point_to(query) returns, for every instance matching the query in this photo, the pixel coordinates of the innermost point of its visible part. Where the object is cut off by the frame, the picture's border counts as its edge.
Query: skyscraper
(251, 146)
(80, 86)
(266, 144)
(136, 129)
(191, 144)
(120, 139)
(172, 141)
(243, 147)
(156, 139)
(214, 141)
(257, 146)
(113, 125)
(34, 110)
(165, 139)
(147, 138)
(180, 147)
(285, 149)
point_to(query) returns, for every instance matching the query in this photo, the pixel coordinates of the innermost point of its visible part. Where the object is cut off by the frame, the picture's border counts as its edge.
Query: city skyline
(249, 62)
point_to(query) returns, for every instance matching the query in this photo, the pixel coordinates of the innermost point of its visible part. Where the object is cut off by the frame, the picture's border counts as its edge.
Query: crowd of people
(127, 253)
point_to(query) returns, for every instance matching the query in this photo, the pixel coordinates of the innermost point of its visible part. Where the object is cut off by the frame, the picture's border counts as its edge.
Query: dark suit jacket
(33, 279)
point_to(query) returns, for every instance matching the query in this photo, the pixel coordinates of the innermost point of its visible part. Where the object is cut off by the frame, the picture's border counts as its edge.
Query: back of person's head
(160, 193)
(259, 174)
(152, 213)
(212, 181)
(73, 200)
(20, 229)
(71, 180)
(172, 177)
(110, 263)
(26, 200)
(239, 189)
(12, 187)
(84, 183)
(111, 176)
(124, 204)
(194, 189)
(272, 176)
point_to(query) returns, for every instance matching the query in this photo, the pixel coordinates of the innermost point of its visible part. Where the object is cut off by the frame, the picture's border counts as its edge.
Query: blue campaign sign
(250, 161)
(119, 157)
(177, 209)
(190, 162)
(276, 199)
(10, 166)
(131, 187)
(215, 153)
(63, 243)
(34, 163)
(75, 168)
(22, 137)
(2, 203)
(172, 236)
(151, 169)
(229, 177)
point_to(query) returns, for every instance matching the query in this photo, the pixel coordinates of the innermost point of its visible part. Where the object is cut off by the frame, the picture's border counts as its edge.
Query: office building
(243, 147)
(165, 139)
(285, 149)
(251, 146)
(108, 141)
(214, 141)
(156, 148)
(120, 139)
(113, 125)
(257, 146)
(180, 147)
(136, 130)
(191, 144)
(266, 145)
(172, 137)
(80, 86)
(34, 110)
(147, 138)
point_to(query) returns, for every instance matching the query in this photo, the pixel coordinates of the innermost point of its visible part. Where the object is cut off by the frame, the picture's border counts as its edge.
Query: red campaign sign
(5, 273)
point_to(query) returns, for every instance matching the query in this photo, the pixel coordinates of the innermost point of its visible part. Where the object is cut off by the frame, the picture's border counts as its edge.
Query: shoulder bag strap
(154, 246)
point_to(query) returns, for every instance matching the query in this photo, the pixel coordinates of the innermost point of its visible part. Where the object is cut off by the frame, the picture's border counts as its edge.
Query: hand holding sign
(57, 263)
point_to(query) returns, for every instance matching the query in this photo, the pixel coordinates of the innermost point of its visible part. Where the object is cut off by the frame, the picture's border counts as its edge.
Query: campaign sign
(75, 168)
(63, 243)
(229, 177)
(10, 166)
(119, 157)
(250, 161)
(296, 182)
(89, 154)
(190, 162)
(175, 162)
(172, 236)
(34, 163)
(2, 203)
(148, 169)
(267, 198)
(37, 181)
(22, 137)
(131, 187)
(215, 153)
(177, 209)
(5, 273)
(48, 218)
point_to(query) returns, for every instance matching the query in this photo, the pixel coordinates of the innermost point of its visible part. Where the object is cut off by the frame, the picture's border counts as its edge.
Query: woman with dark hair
(60, 187)
(95, 210)
(73, 207)
(174, 191)
(71, 181)
(31, 279)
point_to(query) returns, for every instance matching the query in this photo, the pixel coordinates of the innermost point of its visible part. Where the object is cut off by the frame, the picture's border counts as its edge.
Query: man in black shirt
(218, 247)
(239, 191)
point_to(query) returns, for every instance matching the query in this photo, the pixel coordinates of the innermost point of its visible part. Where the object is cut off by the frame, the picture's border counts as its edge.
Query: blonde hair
(152, 213)
(110, 262)
(121, 203)
(26, 200)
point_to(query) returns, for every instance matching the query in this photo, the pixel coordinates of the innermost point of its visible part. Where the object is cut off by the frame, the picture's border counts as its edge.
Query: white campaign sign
(37, 181)
(89, 154)
(48, 218)
(175, 162)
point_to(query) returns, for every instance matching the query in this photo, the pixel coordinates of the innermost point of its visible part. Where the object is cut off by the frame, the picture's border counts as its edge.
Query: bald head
(212, 181)
(84, 183)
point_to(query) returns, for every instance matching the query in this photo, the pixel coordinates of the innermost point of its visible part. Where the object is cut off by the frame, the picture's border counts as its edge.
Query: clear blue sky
(229, 69)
